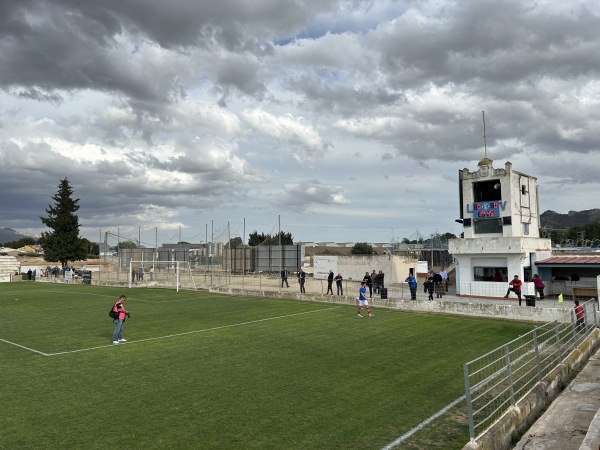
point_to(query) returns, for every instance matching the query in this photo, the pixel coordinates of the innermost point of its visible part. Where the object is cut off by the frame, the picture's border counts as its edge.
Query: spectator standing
(497, 276)
(444, 275)
(438, 284)
(284, 277)
(362, 299)
(381, 276)
(338, 283)
(119, 308)
(152, 273)
(412, 285)
(369, 282)
(374, 282)
(539, 286)
(141, 273)
(428, 285)
(301, 280)
(329, 283)
(29, 274)
(579, 313)
(515, 286)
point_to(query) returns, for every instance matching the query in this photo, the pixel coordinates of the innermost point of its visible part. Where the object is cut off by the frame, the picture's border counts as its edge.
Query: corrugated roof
(570, 260)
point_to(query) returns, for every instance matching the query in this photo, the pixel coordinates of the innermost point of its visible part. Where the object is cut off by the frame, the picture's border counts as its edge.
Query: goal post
(177, 274)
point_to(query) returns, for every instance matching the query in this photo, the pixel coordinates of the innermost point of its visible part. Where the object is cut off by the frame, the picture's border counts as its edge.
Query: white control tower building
(500, 215)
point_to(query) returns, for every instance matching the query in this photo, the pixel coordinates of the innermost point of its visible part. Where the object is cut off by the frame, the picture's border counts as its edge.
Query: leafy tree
(21, 242)
(92, 248)
(235, 242)
(362, 248)
(63, 243)
(255, 239)
(449, 235)
(127, 244)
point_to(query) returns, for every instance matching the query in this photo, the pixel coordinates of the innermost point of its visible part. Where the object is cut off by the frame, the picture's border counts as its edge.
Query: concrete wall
(8, 267)
(394, 267)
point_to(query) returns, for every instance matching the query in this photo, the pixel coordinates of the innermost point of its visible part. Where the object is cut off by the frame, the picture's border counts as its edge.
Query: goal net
(171, 274)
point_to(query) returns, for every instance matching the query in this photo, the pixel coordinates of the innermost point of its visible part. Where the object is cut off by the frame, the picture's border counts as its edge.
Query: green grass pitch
(210, 371)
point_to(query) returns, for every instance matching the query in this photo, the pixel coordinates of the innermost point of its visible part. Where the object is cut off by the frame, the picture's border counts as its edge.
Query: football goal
(176, 274)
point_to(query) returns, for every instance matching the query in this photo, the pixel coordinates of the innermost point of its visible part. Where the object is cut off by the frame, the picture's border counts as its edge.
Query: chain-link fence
(499, 379)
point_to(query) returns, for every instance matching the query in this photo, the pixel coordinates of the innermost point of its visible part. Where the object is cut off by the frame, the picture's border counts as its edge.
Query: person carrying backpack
(121, 312)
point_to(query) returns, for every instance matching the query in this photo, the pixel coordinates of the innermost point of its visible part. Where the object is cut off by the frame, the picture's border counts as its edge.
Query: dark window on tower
(486, 191)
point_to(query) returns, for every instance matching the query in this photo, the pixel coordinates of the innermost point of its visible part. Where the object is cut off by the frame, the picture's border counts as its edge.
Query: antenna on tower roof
(484, 139)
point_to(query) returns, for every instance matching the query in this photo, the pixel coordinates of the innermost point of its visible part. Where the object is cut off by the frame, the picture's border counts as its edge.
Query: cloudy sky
(348, 119)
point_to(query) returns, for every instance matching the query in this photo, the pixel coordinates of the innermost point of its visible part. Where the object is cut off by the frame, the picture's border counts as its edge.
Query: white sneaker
(122, 340)
(359, 315)
(371, 315)
(115, 342)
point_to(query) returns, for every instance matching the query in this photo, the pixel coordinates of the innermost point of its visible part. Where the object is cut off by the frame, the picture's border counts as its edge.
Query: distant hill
(10, 235)
(552, 219)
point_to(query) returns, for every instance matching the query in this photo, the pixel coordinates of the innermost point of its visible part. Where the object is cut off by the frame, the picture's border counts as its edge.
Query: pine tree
(63, 244)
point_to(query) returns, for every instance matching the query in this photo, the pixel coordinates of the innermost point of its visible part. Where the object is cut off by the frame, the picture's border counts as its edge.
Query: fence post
(469, 404)
(510, 380)
(537, 355)
(557, 334)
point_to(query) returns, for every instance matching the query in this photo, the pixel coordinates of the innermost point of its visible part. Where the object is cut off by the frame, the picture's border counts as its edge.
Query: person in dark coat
(330, 283)
(428, 285)
(438, 284)
(369, 282)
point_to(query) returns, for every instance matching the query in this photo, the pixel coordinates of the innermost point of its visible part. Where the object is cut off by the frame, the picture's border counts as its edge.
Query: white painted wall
(353, 267)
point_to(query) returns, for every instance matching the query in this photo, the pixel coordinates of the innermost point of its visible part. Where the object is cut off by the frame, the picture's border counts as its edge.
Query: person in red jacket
(580, 325)
(515, 286)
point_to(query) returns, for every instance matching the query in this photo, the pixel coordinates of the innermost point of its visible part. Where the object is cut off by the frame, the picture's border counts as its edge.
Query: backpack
(114, 315)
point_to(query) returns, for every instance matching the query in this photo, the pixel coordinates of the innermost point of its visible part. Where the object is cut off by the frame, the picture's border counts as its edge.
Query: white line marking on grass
(26, 348)
(422, 425)
(191, 332)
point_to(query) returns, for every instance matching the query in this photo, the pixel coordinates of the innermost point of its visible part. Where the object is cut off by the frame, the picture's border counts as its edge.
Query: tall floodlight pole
(244, 247)
(141, 257)
(119, 247)
(432, 251)
(280, 247)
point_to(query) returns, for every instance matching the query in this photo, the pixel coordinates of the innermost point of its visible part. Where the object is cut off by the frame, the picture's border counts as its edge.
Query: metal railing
(499, 379)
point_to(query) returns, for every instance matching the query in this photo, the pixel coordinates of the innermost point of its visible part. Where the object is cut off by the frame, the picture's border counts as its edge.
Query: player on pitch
(362, 299)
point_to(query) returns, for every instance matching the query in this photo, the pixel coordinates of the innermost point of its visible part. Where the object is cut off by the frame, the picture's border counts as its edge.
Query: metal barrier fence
(193, 278)
(499, 379)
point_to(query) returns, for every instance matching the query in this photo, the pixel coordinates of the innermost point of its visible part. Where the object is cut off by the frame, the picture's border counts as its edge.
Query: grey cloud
(300, 196)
